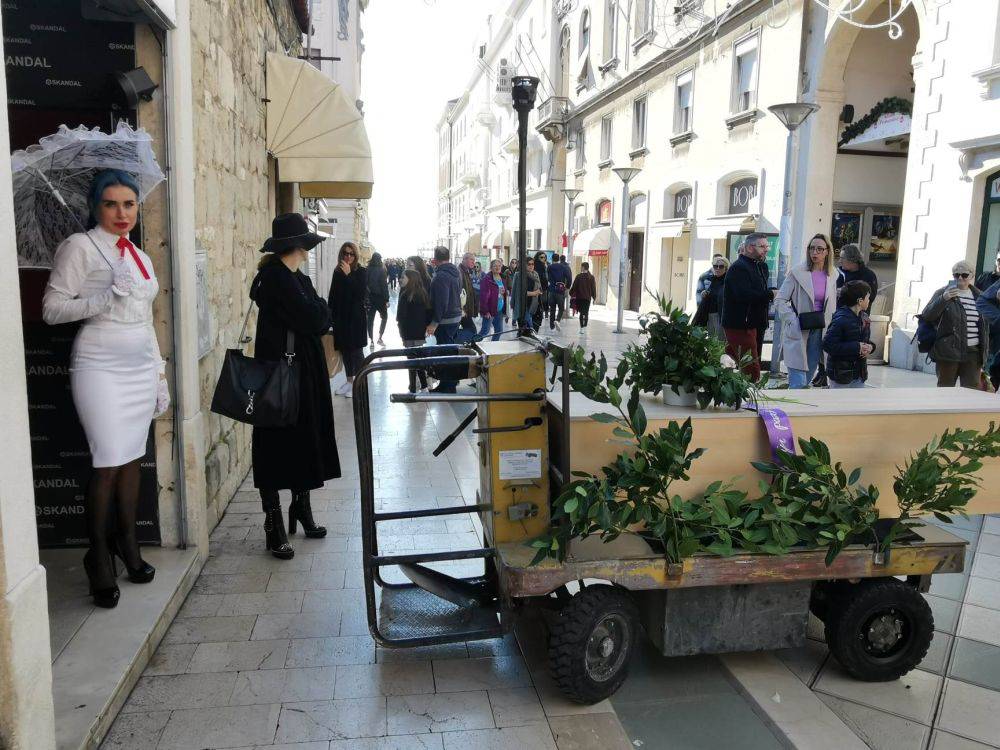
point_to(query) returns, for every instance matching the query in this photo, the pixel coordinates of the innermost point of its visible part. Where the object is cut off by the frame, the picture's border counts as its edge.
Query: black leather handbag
(812, 320)
(259, 392)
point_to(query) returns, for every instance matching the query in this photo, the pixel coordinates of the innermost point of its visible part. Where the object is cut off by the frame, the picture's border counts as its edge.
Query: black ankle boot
(106, 596)
(301, 511)
(274, 533)
(143, 573)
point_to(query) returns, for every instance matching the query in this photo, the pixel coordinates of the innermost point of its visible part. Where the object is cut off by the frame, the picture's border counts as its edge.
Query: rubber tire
(568, 637)
(855, 605)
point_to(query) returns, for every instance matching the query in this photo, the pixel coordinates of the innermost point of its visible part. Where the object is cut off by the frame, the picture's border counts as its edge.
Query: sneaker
(348, 392)
(340, 388)
(558, 326)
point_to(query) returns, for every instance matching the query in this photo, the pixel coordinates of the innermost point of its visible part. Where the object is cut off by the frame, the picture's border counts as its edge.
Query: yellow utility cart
(602, 596)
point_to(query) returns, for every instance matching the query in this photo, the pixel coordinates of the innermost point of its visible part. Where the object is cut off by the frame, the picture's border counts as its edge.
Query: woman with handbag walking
(292, 318)
(348, 301)
(806, 303)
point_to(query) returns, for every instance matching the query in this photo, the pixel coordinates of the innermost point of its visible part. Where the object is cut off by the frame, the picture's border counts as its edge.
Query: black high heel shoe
(142, 574)
(274, 533)
(301, 511)
(103, 597)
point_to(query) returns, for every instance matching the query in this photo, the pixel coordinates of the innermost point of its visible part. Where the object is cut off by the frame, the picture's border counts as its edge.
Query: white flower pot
(684, 398)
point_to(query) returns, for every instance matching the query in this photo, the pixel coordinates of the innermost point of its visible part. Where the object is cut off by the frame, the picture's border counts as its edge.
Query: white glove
(162, 397)
(123, 280)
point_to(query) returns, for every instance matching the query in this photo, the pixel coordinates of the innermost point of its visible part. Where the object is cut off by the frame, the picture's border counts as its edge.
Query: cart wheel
(880, 630)
(591, 642)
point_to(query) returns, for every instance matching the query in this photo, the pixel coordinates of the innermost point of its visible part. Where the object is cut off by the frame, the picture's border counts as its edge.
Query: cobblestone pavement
(270, 653)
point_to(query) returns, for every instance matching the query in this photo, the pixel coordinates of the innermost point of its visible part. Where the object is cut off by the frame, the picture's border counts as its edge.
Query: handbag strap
(290, 346)
(244, 339)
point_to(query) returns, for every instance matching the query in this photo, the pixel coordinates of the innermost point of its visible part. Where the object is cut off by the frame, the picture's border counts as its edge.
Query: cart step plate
(406, 614)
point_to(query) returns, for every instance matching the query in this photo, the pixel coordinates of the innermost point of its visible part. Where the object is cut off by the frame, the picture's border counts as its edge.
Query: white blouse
(79, 286)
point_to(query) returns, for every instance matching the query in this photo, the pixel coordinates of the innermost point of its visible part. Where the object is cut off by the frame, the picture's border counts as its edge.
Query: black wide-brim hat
(289, 231)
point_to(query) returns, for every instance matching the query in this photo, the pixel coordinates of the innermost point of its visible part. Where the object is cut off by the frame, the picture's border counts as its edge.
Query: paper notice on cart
(521, 464)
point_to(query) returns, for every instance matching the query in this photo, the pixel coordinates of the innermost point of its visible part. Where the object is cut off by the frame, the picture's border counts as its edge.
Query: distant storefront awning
(316, 133)
(595, 242)
(717, 227)
(669, 228)
(474, 244)
(495, 241)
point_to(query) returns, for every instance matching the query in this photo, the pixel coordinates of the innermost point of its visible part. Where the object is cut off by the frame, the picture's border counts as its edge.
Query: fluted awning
(316, 133)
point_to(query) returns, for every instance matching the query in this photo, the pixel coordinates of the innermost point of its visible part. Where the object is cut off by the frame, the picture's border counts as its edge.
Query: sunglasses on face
(348, 255)
(719, 266)
(962, 275)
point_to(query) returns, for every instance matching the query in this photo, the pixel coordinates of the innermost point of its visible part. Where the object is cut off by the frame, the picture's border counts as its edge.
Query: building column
(26, 712)
(189, 416)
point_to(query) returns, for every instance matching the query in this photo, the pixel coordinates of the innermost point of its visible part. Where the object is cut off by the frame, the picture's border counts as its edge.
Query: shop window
(989, 236)
(745, 63)
(677, 204)
(606, 123)
(684, 103)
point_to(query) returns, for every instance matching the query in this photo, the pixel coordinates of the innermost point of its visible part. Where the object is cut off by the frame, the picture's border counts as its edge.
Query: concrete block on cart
(721, 619)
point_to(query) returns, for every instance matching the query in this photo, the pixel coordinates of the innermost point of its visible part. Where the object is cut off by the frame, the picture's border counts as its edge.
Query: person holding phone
(963, 334)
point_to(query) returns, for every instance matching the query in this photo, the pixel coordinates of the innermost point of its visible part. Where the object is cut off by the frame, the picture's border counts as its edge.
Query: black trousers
(583, 307)
(557, 302)
(377, 307)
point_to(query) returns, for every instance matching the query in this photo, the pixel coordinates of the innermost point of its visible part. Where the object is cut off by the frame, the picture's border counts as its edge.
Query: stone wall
(234, 193)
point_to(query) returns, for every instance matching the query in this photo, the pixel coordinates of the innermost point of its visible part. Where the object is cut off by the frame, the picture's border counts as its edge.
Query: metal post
(623, 260)
(784, 237)
(523, 89)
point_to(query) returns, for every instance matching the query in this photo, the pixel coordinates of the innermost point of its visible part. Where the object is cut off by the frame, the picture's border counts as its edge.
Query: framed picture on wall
(885, 237)
(845, 228)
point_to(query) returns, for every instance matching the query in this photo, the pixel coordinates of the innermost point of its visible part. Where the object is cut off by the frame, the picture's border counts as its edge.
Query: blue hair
(102, 180)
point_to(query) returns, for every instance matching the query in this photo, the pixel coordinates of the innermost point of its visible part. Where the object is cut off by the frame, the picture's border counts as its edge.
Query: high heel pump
(300, 511)
(142, 574)
(106, 597)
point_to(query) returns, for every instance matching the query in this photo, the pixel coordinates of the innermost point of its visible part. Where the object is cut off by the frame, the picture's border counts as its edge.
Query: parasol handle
(62, 202)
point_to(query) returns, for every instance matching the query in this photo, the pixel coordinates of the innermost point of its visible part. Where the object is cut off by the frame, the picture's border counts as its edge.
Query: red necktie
(123, 245)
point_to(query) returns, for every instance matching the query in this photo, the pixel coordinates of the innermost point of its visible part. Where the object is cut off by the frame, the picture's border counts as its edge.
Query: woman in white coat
(116, 371)
(806, 303)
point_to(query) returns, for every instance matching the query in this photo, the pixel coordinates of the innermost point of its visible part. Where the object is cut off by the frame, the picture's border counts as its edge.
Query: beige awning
(494, 241)
(670, 228)
(474, 244)
(316, 132)
(595, 241)
(717, 227)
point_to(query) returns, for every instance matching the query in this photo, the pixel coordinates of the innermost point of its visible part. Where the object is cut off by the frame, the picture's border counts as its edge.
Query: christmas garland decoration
(889, 105)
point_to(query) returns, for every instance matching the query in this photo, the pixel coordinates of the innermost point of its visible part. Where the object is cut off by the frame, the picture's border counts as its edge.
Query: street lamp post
(523, 90)
(503, 223)
(571, 194)
(791, 115)
(625, 174)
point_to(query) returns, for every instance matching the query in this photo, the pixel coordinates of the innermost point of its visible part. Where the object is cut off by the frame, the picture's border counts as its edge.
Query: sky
(418, 55)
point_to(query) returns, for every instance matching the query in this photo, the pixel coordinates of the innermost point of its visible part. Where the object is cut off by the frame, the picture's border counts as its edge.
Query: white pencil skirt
(113, 375)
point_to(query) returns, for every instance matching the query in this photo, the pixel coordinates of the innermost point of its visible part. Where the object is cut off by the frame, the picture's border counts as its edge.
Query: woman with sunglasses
(962, 333)
(806, 303)
(709, 313)
(348, 302)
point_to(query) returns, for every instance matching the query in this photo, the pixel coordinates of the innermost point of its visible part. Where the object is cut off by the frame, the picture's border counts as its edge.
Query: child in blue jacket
(846, 340)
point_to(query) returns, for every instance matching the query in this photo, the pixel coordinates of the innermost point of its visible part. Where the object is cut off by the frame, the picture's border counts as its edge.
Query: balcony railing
(552, 117)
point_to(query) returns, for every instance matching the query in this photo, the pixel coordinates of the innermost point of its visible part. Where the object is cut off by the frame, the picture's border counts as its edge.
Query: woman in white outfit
(809, 294)
(116, 371)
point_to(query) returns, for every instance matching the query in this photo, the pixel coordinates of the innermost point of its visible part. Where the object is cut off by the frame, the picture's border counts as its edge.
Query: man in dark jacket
(560, 279)
(583, 291)
(446, 306)
(470, 301)
(745, 301)
(988, 278)
(853, 268)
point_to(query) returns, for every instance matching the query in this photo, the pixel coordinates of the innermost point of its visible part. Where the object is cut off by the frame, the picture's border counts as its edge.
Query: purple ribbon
(779, 430)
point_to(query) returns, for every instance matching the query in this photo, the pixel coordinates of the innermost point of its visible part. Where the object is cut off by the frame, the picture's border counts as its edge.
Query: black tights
(107, 518)
(377, 309)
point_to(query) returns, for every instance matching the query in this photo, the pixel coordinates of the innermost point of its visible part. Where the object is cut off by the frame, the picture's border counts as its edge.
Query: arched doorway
(858, 144)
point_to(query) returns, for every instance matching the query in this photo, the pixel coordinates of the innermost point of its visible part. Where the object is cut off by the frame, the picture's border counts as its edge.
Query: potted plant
(686, 362)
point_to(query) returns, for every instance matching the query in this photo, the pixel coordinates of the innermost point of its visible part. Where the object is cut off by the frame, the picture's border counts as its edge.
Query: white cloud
(418, 55)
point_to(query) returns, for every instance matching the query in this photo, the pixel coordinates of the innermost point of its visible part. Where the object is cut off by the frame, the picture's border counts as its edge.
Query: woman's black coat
(348, 296)
(304, 456)
(412, 317)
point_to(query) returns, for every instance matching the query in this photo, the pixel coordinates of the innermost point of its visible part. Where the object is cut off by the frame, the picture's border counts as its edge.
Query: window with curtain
(584, 31)
(683, 107)
(745, 57)
(610, 29)
(639, 122)
(606, 137)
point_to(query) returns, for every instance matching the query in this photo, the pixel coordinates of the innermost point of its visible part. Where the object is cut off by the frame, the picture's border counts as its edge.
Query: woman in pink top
(806, 303)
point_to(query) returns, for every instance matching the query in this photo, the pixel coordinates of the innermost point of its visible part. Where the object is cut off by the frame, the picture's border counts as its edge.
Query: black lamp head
(522, 92)
(135, 85)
